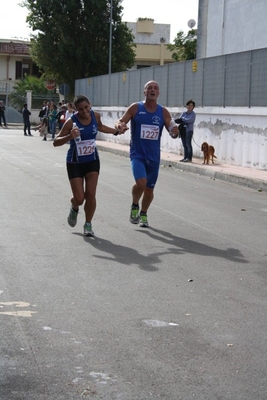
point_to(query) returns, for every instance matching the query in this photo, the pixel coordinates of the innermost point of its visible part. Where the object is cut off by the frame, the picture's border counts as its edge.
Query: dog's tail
(214, 156)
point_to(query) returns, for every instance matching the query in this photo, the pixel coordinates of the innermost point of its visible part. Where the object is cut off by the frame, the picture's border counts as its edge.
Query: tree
(73, 38)
(39, 92)
(184, 47)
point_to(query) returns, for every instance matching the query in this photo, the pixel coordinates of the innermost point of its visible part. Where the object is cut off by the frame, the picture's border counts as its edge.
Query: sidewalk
(249, 177)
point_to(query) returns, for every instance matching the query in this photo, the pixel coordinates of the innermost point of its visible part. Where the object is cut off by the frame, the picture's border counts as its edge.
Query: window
(18, 69)
(25, 69)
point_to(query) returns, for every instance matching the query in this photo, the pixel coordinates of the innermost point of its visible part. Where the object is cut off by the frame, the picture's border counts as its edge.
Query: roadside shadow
(183, 245)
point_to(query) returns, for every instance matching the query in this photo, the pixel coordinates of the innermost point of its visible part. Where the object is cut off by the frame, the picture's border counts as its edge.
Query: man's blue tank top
(84, 151)
(146, 130)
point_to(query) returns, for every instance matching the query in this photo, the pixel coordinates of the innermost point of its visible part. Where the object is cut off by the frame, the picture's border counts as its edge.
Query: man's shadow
(178, 245)
(183, 245)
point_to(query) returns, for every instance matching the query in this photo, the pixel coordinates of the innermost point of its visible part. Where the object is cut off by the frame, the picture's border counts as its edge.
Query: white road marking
(19, 313)
(18, 304)
(158, 324)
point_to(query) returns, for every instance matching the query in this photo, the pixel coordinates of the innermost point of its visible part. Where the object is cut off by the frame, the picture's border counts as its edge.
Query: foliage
(72, 39)
(145, 19)
(39, 92)
(184, 46)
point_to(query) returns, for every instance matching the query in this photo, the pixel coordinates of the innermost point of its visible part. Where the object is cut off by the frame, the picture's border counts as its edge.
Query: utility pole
(110, 37)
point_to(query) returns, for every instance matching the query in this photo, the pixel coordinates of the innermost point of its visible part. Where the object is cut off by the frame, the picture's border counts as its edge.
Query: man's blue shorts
(145, 169)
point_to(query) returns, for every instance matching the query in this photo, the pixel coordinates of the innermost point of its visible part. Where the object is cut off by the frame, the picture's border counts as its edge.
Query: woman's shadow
(175, 245)
(125, 255)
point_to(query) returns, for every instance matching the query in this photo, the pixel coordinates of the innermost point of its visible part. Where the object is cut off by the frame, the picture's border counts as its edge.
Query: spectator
(2, 114)
(52, 118)
(26, 120)
(186, 121)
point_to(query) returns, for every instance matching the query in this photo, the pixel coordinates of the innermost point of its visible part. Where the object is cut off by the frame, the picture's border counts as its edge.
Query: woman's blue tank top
(85, 150)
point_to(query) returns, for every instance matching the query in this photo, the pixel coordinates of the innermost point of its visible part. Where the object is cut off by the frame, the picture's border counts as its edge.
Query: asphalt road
(176, 311)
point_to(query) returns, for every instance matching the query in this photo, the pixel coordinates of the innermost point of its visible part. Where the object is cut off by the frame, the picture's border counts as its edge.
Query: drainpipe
(203, 8)
(29, 99)
(223, 29)
(162, 47)
(7, 80)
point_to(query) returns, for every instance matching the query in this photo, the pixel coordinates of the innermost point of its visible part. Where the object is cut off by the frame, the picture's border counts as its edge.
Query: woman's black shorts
(79, 170)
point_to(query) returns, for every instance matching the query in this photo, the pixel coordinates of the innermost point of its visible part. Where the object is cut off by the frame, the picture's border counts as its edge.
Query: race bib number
(150, 132)
(85, 147)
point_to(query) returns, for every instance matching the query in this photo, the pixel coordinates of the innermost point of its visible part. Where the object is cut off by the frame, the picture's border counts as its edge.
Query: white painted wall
(11, 66)
(231, 26)
(239, 135)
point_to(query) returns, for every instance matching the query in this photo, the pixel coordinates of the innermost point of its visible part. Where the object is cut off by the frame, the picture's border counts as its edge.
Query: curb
(251, 183)
(255, 184)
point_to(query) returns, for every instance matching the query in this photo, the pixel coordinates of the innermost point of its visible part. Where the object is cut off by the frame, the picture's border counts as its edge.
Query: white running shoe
(87, 229)
(143, 221)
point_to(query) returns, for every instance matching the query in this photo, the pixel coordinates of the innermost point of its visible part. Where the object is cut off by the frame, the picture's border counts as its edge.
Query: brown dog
(208, 152)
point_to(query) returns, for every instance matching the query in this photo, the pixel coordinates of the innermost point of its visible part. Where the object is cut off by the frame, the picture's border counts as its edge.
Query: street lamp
(110, 37)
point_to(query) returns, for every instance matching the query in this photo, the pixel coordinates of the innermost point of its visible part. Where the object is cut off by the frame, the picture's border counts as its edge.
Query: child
(43, 128)
(61, 117)
(70, 111)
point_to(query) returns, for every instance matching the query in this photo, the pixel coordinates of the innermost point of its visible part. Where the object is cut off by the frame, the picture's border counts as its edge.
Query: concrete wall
(239, 135)
(15, 117)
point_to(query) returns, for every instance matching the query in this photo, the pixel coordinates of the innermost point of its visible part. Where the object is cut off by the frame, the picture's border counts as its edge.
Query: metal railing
(7, 86)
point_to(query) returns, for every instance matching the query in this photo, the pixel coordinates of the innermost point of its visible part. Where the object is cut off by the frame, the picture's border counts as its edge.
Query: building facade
(15, 63)
(151, 43)
(227, 26)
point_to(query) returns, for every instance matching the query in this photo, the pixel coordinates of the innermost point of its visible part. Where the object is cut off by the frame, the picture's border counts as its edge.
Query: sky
(177, 13)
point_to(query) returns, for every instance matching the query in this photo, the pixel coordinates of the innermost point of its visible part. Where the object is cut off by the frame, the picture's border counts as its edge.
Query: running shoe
(72, 217)
(134, 216)
(87, 229)
(143, 221)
